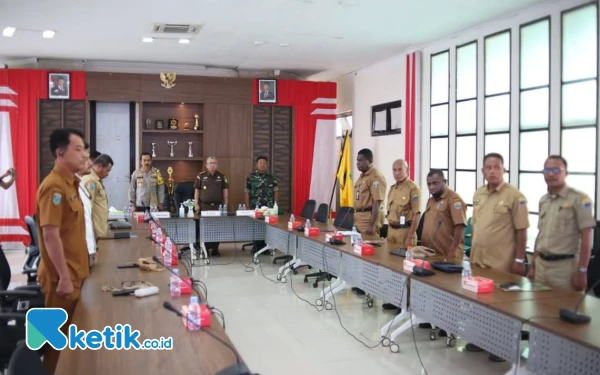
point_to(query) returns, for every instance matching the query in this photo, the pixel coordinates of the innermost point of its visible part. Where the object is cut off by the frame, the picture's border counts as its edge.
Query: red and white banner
(412, 113)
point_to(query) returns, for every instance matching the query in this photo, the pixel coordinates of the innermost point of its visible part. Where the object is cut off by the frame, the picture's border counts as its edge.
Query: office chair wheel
(395, 348)
(255, 260)
(369, 301)
(432, 336)
(305, 279)
(283, 279)
(295, 272)
(451, 341)
(315, 285)
(207, 261)
(278, 277)
(328, 305)
(319, 302)
(386, 342)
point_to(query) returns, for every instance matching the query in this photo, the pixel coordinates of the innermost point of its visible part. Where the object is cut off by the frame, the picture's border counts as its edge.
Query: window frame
(447, 103)
(387, 107)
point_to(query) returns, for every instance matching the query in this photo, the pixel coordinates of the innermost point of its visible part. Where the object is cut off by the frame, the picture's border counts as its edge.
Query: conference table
(492, 321)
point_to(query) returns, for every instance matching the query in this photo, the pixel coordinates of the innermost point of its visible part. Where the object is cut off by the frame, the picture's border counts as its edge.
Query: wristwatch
(520, 261)
(582, 269)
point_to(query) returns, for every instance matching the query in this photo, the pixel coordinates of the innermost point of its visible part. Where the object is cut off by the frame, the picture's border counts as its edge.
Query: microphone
(238, 368)
(572, 316)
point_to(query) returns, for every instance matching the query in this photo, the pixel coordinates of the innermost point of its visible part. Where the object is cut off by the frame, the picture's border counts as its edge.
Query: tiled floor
(277, 333)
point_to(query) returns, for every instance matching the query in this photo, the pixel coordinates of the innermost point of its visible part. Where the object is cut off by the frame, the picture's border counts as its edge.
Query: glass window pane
(440, 70)
(466, 152)
(439, 153)
(469, 210)
(466, 117)
(497, 113)
(579, 149)
(533, 150)
(579, 46)
(579, 103)
(439, 120)
(535, 105)
(532, 232)
(533, 186)
(497, 64)
(499, 143)
(466, 184)
(466, 71)
(584, 183)
(535, 54)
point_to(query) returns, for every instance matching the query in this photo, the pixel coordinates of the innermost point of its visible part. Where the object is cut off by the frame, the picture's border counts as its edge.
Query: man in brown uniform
(500, 222)
(564, 241)
(445, 218)
(404, 207)
(369, 191)
(93, 182)
(60, 220)
(211, 190)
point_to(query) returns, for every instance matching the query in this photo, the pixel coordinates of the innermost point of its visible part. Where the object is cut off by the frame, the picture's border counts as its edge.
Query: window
(439, 115)
(466, 122)
(579, 101)
(534, 116)
(497, 96)
(386, 118)
(343, 122)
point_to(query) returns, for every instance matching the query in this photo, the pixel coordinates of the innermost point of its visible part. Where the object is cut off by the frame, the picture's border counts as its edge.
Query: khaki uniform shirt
(59, 205)
(146, 188)
(404, 198)
(369, 187)
(562, 218)
(497, 215)
(211, 189)
(442, 215)
(99, 203)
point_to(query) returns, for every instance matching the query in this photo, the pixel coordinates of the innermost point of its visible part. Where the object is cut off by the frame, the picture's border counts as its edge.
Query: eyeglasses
(553, 170)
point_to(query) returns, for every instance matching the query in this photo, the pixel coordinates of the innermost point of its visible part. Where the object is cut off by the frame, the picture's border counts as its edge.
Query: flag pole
(347, 135)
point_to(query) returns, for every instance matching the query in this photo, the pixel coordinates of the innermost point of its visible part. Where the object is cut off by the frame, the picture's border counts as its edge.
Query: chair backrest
(468, 231)
(4, 271)
(420, 227)
(182, 192)
(25, 361)
(308, 211)
(322, 213)
(344, 218)
(32, 228)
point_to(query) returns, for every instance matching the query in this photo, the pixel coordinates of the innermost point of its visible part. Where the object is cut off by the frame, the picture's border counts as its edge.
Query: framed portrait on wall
(267, 91)
(59, 85)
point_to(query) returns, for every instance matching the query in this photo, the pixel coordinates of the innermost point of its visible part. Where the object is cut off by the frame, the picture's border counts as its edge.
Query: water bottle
(409, 254)
(239, 207)
(307, 224)
(220, 209)
(275, 209)
(244, 206)
(181, 210)
(354, 236)
(194, 314)
(224, 211)
(466, 272)
(167, 254)
(159, 235)
(292, 218)
(175, 284)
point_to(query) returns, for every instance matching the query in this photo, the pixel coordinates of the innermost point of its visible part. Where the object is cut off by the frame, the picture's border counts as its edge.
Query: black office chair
(21, 298)
(322, 213)
(308, 211)
(34, 257)
(322, 216)
(183, 191)
(594, 267)
(25, 361)
(344, 218)
(10, 335)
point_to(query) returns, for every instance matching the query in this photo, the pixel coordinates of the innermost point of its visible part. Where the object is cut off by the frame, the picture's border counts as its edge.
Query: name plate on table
(408, 265)
(478, 284)
(161, 215)
(244, 213)
(119, 215)
(210, 213)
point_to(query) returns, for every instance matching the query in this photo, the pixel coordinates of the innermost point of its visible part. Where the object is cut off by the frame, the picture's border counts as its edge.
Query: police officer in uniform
(445, 218)
(564, 242)
(211, 190)
(100, 170)
(500, 222)
(404, 207)
(369, 192)
(261, 190)
(147, 187)
(60, 221)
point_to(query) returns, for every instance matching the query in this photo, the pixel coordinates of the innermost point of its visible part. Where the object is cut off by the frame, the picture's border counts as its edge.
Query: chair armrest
(19, 293)
(33, 288)
(9, 316)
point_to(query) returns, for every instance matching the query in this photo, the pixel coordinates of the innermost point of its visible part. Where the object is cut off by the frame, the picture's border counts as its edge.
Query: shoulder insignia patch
(457, 205)
(587, 204)
(522, 201)
(92, 186)
(415, 197)
(375, 183)
(56, 198)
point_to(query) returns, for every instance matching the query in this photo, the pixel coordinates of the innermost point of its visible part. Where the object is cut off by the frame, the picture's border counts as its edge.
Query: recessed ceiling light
(259, 43)
(184, 41)
(48, 34)
(147, 40)
(284, 44)
(8, 31)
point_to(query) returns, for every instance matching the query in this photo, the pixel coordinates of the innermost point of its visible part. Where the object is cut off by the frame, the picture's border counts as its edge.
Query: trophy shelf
(180, 158)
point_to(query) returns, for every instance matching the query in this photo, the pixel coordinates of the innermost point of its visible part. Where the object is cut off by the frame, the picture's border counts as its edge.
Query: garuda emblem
(168, 80)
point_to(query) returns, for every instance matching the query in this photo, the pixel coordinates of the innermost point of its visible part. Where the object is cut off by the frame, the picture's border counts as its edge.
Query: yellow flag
(344, 174)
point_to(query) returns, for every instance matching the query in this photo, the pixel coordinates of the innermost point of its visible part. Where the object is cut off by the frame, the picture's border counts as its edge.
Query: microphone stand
(572, 316)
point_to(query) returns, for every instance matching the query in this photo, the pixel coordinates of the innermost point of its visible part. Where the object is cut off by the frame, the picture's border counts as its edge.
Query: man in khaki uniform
(500, 222)
(369, 191)
(445, 218)
(100, 170)
(60, 220)
(404, 207)
(147, 187)
(564, 242)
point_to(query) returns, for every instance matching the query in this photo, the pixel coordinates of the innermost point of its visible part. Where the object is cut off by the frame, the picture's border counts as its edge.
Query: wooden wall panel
(261, 132)
(113, 87)
(227, 130)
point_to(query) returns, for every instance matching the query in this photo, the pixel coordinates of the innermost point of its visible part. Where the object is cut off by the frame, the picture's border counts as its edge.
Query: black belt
(363, 209)
(400, 226)
(212, 204)
(552, 258)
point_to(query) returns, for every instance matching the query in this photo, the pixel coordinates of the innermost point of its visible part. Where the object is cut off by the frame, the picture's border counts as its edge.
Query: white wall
(380, 83)
(345, 93)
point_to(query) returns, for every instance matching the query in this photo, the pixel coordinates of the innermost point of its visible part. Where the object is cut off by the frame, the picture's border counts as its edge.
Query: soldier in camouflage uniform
(261, 190)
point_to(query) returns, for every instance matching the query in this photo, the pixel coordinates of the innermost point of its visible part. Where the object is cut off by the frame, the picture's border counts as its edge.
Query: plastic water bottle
(167, 254)
(354, 236)
(181, 210)
(275, 209)
(175, 284)
(466, 272)
(159, 235)
(224, 211)
(409, 254)
(194, 314)
(244, 206)
(239, 207)
(220, 209)
(307, 224)
(292, 218)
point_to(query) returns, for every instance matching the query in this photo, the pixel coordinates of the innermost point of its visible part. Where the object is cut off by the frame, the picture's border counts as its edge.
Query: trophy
(153, 149)
(148, 123)
(170, 184)
(196, 124)
(173, 123)
(190, 154)
(186, 126)
(172, 144)
(160, 124)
